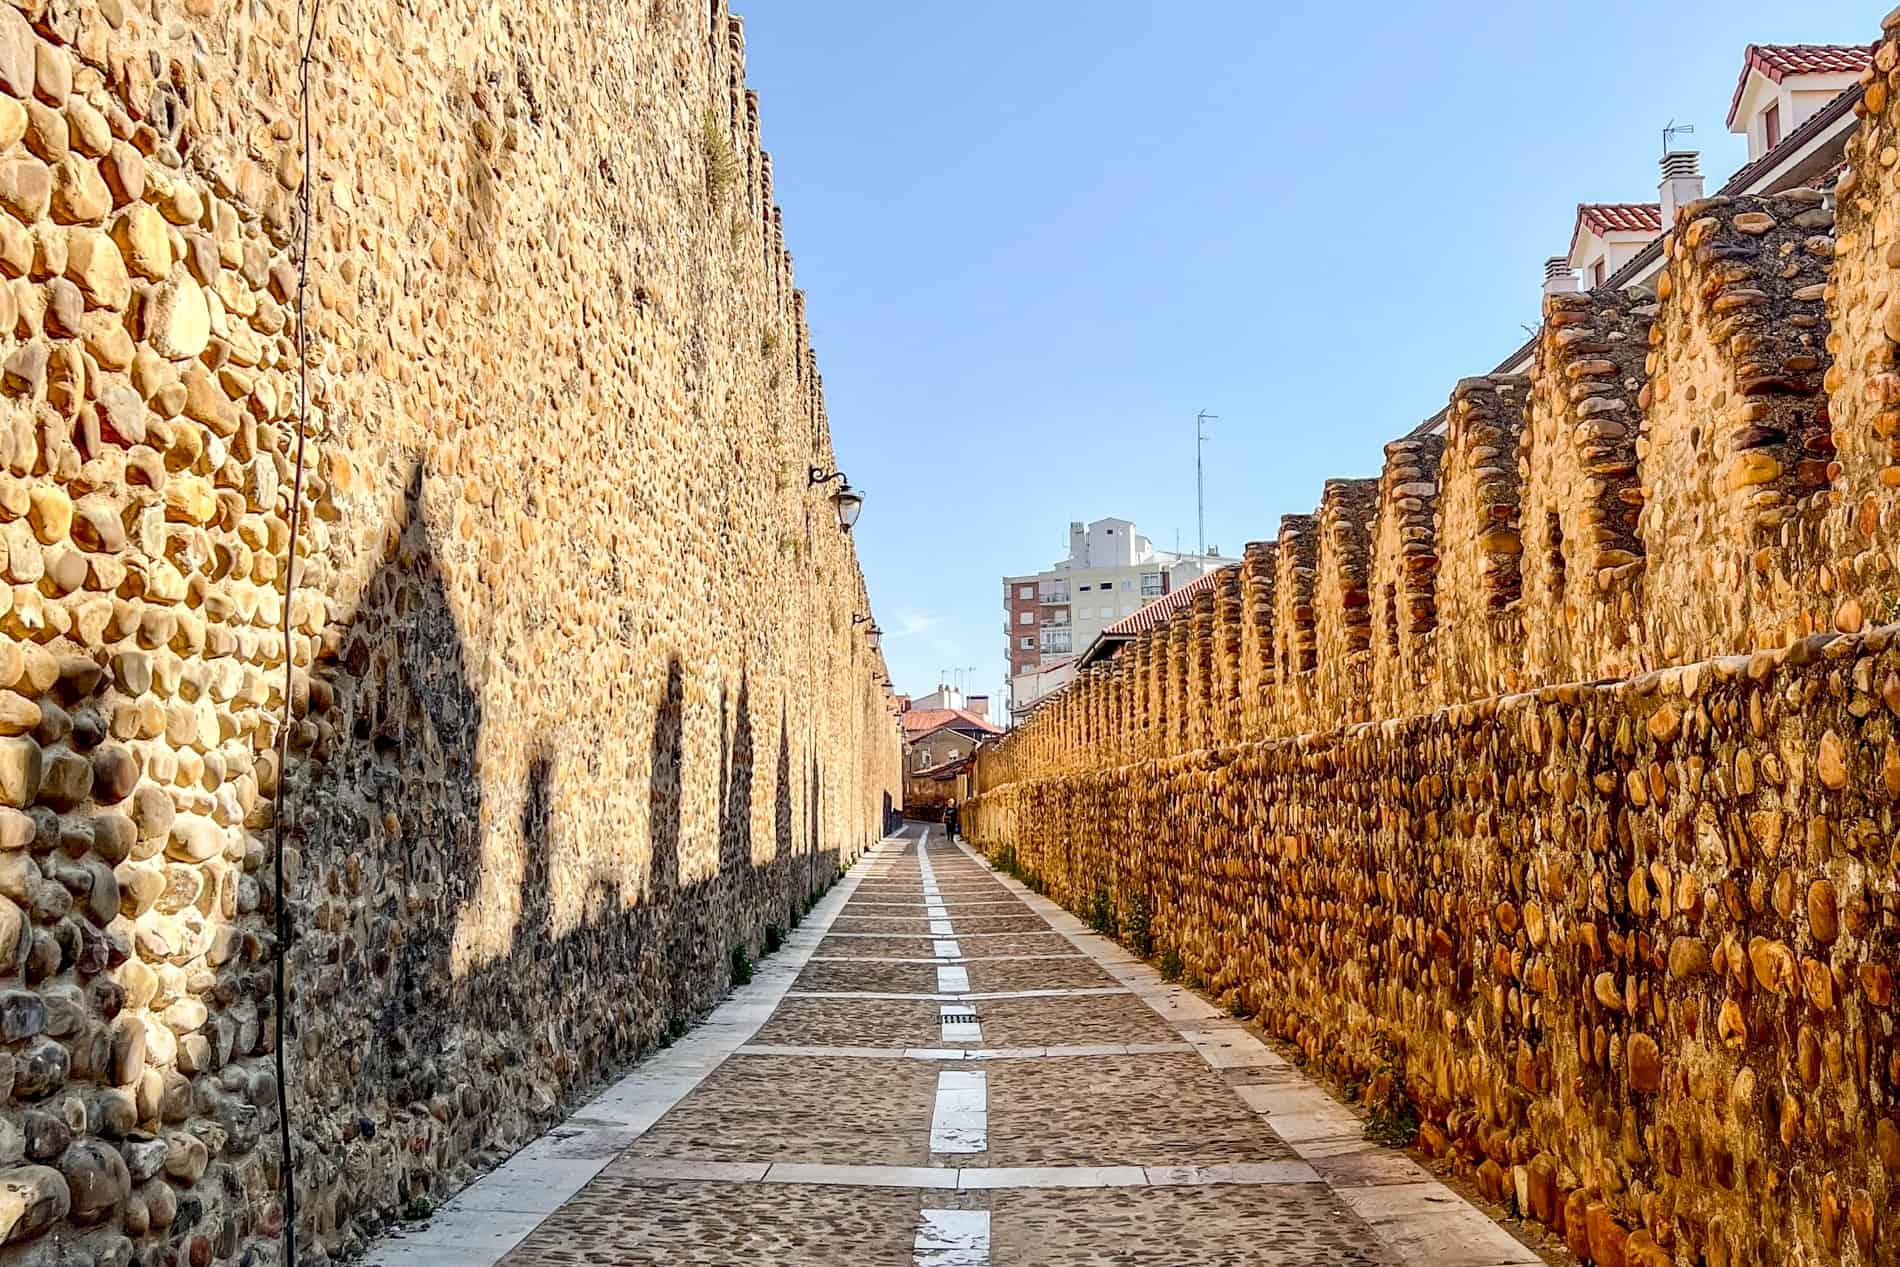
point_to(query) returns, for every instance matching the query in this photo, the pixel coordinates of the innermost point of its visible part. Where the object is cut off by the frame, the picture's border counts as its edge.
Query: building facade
(1111, 572)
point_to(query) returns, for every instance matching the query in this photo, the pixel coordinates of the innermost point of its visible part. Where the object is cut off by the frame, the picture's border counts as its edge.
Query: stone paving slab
(820, 1109)
(1099, 1018)
(624, 1222)
(844, 1022)
(996, 976)
(1060, 1020)
(1115, 1110)
(896, 925)
(996, 944)
(898, 978)
(1185, 1227)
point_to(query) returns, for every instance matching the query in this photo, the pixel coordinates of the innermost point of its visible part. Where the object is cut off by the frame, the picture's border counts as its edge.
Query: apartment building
(1111, 572)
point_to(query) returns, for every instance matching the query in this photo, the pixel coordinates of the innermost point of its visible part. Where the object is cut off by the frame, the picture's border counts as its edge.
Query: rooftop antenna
(1200, 488)
(1670, 130)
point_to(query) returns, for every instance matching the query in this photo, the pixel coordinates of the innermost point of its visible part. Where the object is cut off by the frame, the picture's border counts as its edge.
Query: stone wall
(579, 708)
(1581, 846)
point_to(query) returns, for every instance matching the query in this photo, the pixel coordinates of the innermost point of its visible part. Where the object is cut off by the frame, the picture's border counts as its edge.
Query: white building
(1111, 572)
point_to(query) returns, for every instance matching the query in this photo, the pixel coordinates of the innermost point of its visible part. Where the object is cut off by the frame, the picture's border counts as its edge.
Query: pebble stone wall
(580, 707)
(1606, 883)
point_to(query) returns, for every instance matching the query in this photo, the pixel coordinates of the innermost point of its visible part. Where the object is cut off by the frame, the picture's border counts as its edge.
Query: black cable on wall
(280, 986)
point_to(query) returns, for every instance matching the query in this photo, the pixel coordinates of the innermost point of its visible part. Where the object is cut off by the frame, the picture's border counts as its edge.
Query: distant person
(950, 820)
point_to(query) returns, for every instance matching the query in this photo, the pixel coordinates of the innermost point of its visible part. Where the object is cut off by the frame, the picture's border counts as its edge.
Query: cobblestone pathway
(943, 1070)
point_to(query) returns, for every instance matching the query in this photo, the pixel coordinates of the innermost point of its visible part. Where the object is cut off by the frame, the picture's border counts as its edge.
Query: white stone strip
(960, 1119)
(1027, 932)
(1419, 1219)
(1079, 992)
(959, 1023)
(973, 1178)
(952, 1238)
(487, 1219)
(942, 948)
(951, 956)
(1070, 1052)
(953, 978)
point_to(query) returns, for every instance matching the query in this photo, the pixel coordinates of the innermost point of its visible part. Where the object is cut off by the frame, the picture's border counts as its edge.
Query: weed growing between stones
(1138, 924)
(741, 966)
(722, 165)
(774, 938)
(1102, 913)
(1394, 1118)
(1005, 859)
(1170, 964)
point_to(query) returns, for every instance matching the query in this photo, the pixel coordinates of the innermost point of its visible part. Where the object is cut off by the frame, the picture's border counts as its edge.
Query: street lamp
(872, 635)
(847, 500)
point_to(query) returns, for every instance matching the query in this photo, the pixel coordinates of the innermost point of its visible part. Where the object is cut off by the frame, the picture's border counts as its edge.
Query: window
(1055, 640)
(1107, 612)
(1025, 591)
(1596, 275)
(1085, 589)
(1027, 643)
(1771, 125)
(1151, 585)
(1025, 618)
(1128, 584)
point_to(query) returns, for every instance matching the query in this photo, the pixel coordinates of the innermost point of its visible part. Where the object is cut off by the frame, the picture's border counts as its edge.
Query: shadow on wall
(412, 1071)
(137, 910)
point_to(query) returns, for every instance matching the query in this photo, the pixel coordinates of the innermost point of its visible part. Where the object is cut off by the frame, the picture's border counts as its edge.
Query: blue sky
(1037, 239)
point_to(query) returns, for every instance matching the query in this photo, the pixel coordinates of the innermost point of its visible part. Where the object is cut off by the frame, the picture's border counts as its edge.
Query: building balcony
(1053, 597)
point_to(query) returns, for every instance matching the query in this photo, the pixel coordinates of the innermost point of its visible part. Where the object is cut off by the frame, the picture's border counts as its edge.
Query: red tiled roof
(1156, 614)
(1627, 217)
(1778, 61)
(921, 721)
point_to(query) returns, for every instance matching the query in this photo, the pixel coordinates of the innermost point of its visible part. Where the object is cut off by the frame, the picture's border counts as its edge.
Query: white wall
(1027, 688)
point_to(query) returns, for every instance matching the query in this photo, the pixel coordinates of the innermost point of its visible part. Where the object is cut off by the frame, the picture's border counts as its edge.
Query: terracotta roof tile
(1156, 614)
(921, 721)
(1778, 61)
(1626, 217)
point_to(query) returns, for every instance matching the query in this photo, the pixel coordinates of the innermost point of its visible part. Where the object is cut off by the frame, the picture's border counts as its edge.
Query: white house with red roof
(1782, 86)
(1608, 235)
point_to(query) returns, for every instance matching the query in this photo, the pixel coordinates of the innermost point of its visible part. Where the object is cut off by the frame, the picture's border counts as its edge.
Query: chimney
(1558, 277)
(1681, 183)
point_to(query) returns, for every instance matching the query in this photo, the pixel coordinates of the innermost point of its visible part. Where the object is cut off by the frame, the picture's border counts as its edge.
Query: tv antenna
(1673, 129)
(1200, 484)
